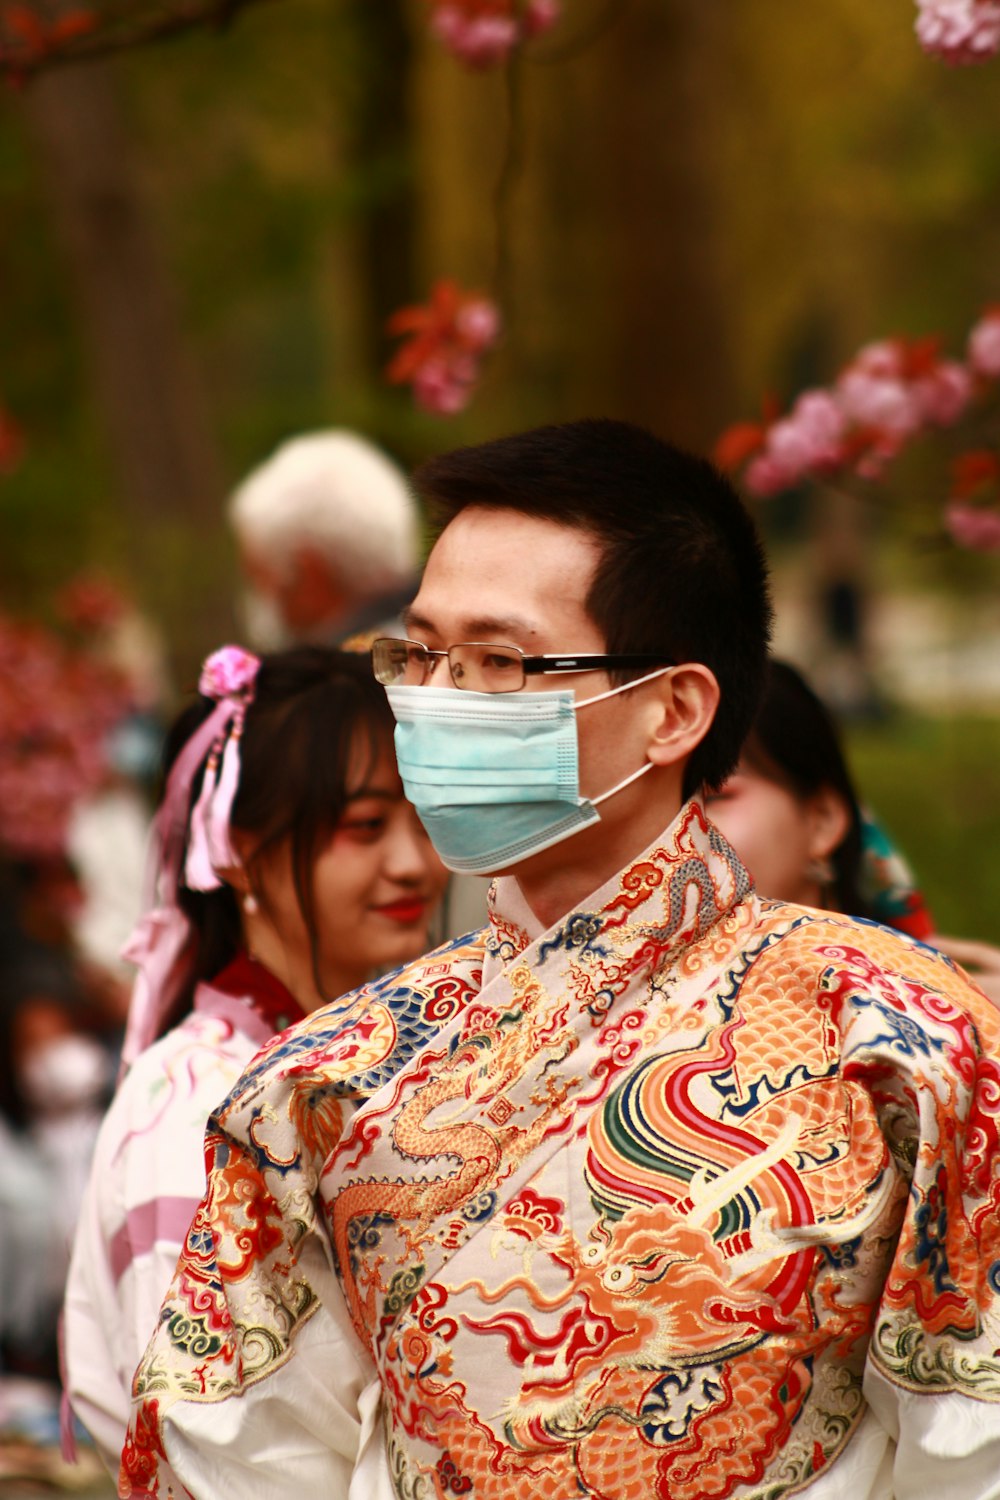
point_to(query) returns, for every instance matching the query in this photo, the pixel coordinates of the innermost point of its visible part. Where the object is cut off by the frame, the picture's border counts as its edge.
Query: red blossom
(11, 443)
(973, 471)
(58, 706)
(445, 341)
(737, 444)
(26, 39)
(90, 603)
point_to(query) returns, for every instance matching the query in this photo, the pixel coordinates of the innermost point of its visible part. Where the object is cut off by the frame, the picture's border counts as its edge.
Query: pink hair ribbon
(160, 945)
(229, 676)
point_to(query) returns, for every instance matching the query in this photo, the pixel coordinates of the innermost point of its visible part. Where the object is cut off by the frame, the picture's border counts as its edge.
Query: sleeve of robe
(933, 1368)
(146, 1181)
(255, 1283)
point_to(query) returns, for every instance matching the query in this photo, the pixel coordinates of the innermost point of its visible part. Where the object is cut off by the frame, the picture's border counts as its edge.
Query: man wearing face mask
(652, 1188)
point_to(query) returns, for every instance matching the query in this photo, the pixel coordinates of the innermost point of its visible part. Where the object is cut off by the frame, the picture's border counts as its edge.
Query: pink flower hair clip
(228, 673)
(229, 676)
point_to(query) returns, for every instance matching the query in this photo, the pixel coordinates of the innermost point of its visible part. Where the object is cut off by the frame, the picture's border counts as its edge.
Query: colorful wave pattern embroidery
(630, 1220)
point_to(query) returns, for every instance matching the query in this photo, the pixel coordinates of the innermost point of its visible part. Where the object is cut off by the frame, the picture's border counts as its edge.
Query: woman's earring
(249, 903)
(820, 870)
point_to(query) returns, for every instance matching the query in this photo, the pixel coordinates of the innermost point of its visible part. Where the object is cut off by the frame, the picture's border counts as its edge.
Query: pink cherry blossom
(480, 41)
(477, 323)
(879, 402)
(228, 672)
(882, 359)
(539, 16)
(765, 477)
(436, 389)
(960, 31)
(810, 438)
(984, 345)
(483, 33)
(942, 395)
(973, 526)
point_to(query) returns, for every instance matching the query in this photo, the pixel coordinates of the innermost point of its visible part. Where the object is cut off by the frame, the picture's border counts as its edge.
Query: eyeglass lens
(479, 668)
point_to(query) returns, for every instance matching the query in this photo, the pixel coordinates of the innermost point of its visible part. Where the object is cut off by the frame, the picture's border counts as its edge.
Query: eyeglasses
(481, 667)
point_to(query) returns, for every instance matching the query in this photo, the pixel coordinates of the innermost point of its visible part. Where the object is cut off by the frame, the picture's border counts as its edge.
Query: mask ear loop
(596, 801)
(624, 688)
(611, 693)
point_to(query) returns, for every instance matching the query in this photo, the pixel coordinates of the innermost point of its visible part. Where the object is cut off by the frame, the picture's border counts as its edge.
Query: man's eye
(499, 663)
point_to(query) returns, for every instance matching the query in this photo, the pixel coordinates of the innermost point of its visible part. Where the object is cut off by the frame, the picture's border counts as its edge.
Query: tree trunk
(141, 371)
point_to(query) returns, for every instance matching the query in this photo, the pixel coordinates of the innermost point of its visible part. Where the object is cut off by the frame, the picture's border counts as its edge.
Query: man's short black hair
(682, 572)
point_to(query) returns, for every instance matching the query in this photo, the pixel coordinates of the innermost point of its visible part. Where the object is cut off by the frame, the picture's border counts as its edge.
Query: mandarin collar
(669, 896)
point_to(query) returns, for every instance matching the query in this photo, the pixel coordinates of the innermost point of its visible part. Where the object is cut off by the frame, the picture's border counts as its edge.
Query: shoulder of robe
(871, 956)
(343, 1045)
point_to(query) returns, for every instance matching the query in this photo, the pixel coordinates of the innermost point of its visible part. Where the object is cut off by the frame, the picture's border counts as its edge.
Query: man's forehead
(502, 575)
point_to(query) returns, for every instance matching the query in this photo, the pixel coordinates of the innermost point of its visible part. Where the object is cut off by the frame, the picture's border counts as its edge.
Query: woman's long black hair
(317, 716)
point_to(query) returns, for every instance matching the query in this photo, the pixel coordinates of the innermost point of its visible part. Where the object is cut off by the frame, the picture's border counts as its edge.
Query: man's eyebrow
(476, 627)
(412, 617)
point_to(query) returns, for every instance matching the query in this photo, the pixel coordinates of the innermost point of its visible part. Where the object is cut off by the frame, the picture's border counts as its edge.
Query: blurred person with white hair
(328, 533)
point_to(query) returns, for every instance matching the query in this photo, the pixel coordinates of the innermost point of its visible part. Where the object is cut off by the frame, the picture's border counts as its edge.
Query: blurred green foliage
(934, 785)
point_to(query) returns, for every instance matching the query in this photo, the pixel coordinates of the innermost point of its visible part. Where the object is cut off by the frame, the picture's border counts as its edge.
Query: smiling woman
(291, 869)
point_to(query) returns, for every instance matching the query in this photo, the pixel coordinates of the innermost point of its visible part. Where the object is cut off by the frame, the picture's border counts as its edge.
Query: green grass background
(935, 785)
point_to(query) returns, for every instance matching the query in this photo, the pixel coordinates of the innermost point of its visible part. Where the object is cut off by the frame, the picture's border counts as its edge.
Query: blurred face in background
(296, 598)
(784, 839)
(60, 1068)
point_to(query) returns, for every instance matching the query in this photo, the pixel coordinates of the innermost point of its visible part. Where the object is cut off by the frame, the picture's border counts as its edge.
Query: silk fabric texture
(690, 1195)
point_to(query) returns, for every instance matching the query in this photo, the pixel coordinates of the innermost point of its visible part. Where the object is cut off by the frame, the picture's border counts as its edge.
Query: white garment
(32, 1262)
(146, 1181)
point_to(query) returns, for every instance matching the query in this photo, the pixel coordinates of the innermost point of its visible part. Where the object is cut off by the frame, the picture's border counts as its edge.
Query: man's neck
(559, 879)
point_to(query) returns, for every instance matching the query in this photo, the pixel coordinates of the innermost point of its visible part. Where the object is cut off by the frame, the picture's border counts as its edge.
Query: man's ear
(689, 698)
(829, 820)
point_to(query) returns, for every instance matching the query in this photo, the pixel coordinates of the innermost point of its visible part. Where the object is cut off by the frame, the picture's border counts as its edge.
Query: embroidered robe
(689, 1196)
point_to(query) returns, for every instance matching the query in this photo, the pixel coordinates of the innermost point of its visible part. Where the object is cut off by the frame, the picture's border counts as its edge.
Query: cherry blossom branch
(890, 393)
(30, 43)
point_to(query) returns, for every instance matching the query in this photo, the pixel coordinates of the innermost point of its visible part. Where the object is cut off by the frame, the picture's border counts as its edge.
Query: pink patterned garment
(147, 1179)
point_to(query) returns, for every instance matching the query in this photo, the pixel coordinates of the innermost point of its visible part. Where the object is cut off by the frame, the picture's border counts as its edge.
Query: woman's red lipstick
(406, 909)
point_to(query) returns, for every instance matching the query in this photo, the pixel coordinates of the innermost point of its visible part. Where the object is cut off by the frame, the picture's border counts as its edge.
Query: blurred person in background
(55, 1080)
(329, 540)
(291, 869)
(108, 823)
(791, 812)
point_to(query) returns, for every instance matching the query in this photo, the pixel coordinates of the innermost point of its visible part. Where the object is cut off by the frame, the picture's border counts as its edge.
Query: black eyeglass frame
(532, 666)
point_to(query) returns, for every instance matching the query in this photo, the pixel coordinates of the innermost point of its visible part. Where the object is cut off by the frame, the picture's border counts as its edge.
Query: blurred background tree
(699, 202)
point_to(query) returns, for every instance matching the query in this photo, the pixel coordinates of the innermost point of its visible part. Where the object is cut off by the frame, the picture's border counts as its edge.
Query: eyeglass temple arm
(534, 664)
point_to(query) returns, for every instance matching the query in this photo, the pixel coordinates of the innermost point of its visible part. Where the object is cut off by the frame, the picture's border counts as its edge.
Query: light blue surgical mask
(494, 777)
